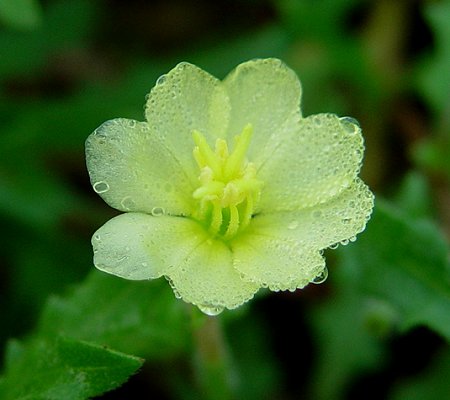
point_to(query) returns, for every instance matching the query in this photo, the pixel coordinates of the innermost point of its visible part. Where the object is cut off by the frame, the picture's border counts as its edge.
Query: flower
(226, 187)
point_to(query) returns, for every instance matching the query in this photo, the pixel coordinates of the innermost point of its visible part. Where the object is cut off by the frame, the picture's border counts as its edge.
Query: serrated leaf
(60, 368)
(404, 261)
(141, 318)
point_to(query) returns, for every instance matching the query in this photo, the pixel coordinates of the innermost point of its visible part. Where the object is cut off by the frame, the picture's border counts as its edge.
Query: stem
(212, 362)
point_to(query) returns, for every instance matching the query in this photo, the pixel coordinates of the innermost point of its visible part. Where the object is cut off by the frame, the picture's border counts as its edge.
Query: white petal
(139, 246)
(207, 278)
(184, 100)
(131, 169)
(317, 161)
(276, 263)
(323, 225)
(266, 94)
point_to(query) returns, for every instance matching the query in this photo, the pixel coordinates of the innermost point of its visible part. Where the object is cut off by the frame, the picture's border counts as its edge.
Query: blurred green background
(377, 328)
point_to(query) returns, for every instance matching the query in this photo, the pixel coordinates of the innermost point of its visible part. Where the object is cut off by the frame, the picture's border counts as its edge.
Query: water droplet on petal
(350, 120)
(158, 211)
(334, 246)
(350, 124)
(293, 225)
(322, 277)
(318, 121)
(317, 214)
(128, 203)
(210, 310)
(161, 80)
(101, 187)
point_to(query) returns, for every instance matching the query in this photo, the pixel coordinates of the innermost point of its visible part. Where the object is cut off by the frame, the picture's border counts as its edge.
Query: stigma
(229, 190)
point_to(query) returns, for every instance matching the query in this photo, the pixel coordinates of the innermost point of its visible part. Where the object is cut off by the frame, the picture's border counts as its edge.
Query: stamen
(249, 208)
(233, 226)
(217, 218)
(207, 155)
(229, 190)
(222, 149)
(236, 159)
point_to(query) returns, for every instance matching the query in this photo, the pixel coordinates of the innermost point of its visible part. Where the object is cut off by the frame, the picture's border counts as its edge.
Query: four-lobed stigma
(229, 190)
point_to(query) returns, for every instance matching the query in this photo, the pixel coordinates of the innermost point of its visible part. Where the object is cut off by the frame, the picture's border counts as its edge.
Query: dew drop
(350, 124)
(97, 238)
(318, 121)
(210, 310)
(322, 277)
(128, 203)
(334, 246)
(349, 120)
(317, 214)
(176, 293)
(293, 225)
(157, 211)
(101, 187)
(161, 80)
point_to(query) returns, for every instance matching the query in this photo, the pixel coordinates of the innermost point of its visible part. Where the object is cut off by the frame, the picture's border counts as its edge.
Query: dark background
(80, 63)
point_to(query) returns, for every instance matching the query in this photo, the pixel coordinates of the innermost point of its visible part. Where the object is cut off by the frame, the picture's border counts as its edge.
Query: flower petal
(207, 278)
(139, 246)
(184, 100)
(317, 161)
(340, 219)
(131, 170)
(265, 93)
(274, 263)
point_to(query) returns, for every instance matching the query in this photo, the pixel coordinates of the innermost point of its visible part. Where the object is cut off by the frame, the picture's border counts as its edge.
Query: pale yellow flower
(226, 187)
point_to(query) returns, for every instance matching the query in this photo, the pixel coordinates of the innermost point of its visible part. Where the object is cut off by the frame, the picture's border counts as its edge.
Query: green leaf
(59, 368)
(20, 14)
(404, 262)
(142, 318)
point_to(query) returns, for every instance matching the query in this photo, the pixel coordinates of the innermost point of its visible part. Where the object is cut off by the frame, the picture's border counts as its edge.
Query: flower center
(228, 191)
